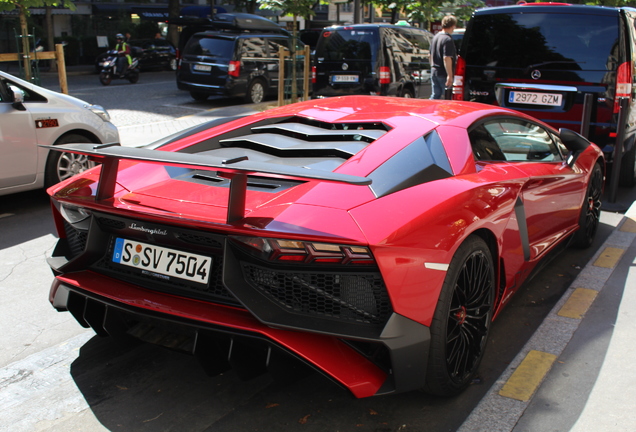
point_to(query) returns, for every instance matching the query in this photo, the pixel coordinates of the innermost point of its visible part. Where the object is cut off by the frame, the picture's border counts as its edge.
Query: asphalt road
(56, 376)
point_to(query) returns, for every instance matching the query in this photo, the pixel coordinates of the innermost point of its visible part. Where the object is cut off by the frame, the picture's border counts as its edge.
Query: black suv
(376, 59)
(239, 59)
(543, 59)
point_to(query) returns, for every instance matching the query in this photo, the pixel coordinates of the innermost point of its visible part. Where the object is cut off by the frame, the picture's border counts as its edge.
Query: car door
(552, 193)
(18, 144)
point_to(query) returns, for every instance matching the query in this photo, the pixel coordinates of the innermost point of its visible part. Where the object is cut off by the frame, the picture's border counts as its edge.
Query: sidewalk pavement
(577, 372)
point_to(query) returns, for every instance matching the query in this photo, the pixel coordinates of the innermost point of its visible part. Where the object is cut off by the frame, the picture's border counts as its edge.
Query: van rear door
(543, 62)
(345, 62)
(206, 59)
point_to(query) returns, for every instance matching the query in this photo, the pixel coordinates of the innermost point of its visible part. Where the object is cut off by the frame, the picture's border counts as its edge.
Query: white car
(31, 116)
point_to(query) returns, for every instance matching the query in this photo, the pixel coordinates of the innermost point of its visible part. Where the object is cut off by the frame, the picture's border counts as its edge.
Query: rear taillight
(234, 69)
(458, 82)
(385, 75)
(313, 74)
(302, 252)
(623, 83)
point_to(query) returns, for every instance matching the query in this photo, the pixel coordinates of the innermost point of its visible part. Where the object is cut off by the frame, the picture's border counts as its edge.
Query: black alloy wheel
(462, 319)
(590, 216)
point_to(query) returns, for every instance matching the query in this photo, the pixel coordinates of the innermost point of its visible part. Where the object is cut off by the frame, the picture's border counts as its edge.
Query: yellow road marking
(578, 303)
(526, 379)
(609, 257)
(628, 226)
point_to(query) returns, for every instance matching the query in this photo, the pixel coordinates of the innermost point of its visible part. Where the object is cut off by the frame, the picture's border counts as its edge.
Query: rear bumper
(219, 334)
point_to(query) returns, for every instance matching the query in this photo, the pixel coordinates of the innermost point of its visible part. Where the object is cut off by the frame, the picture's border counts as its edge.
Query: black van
(237, 59)
(372, 59)
(543, 59)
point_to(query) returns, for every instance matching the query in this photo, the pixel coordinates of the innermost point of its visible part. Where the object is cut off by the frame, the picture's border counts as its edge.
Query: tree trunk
(25, 44)
(50, 36)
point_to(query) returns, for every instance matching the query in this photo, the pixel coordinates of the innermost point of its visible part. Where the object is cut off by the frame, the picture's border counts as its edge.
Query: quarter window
(513, 140)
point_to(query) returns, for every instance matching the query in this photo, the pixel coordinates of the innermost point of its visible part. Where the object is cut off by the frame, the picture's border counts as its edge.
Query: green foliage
(9, 5)
(303, 8)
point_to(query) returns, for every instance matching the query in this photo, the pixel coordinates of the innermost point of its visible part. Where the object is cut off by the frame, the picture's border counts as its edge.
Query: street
(56, 376)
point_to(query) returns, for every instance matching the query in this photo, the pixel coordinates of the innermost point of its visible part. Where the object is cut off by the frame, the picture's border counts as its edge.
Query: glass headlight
(100, 111)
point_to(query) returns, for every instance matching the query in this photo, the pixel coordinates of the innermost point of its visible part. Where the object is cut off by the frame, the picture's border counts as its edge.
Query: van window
(254, 48)
(343, 44)
(551, 41)
(212, 47)
(275, 44)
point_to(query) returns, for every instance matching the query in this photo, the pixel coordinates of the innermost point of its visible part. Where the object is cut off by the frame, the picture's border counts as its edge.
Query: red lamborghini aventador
(373, 238)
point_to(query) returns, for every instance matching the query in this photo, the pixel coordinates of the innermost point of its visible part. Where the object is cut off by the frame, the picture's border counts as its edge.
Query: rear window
(552, 41)
(343, 44)
(217, 48)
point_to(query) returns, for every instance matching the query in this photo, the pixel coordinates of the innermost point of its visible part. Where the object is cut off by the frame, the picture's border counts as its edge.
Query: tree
(23, 10)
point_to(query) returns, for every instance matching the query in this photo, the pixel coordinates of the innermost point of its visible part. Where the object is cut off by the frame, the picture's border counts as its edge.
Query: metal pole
(587, 114)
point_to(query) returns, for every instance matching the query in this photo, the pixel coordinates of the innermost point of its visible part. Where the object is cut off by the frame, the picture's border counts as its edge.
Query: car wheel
(627, 175)
(255, 92)
(105, 78)
(199, 96)
(172, 65)
(407, 93)
(60, 165)
(133, 77)
(591, 210)
(462, 319)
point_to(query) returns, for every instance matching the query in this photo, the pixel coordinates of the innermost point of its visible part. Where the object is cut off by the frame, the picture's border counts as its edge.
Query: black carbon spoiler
(236, 170)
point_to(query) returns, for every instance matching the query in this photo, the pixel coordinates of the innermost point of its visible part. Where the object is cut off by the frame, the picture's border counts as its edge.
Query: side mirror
(574, 142)
(18, 98)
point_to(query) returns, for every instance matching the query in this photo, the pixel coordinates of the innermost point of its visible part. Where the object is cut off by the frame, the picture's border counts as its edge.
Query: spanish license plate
(345, 78)
(162, 262)
(530, 98)
(202, 68)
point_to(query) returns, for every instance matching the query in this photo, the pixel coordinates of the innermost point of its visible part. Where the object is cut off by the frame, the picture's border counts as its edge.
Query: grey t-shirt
(442, 46)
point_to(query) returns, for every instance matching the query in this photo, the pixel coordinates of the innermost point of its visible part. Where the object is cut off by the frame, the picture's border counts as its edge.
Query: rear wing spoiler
(236, 170)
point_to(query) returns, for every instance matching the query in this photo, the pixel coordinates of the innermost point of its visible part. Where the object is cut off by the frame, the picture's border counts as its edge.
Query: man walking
(443, 55)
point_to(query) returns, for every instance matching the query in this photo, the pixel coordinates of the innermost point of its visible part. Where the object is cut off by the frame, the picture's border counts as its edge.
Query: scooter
(109, 70)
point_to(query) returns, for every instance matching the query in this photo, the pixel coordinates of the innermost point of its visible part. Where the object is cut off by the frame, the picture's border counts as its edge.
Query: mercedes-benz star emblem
(535, 74)
(345, 66)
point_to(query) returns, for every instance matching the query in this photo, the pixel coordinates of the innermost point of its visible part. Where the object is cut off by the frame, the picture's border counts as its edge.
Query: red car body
(333, 228)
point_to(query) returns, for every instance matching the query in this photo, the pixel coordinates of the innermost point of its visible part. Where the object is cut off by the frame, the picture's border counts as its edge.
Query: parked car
(152, 54)
(373, 238)
(458, 36)
(371, 59)
(31, 116)
(543, 59)
(240, 60)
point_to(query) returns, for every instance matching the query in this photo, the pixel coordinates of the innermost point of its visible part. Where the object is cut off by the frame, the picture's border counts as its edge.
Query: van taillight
(623, 83)
(385, 75)
(313, 74)
(458, 81)
(234, 69)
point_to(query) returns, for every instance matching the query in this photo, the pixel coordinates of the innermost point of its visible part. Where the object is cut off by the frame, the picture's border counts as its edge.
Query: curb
(505, 403)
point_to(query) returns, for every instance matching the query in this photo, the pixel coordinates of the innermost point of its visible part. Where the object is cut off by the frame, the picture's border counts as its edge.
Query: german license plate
(202, 68)
(345, 78)
(530, 98)
(162, 262)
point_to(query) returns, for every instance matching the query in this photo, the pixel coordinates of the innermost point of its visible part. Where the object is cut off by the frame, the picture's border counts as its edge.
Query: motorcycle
(109, 70)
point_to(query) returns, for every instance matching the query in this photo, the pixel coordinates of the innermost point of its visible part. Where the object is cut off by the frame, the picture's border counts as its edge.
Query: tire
(105, 78)
(255, 92)
(199, 96)
(462, 319)
(627, 175)
(60, 166)
(407, 93)
(172, 64)
(133, 76)
(589, 218)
